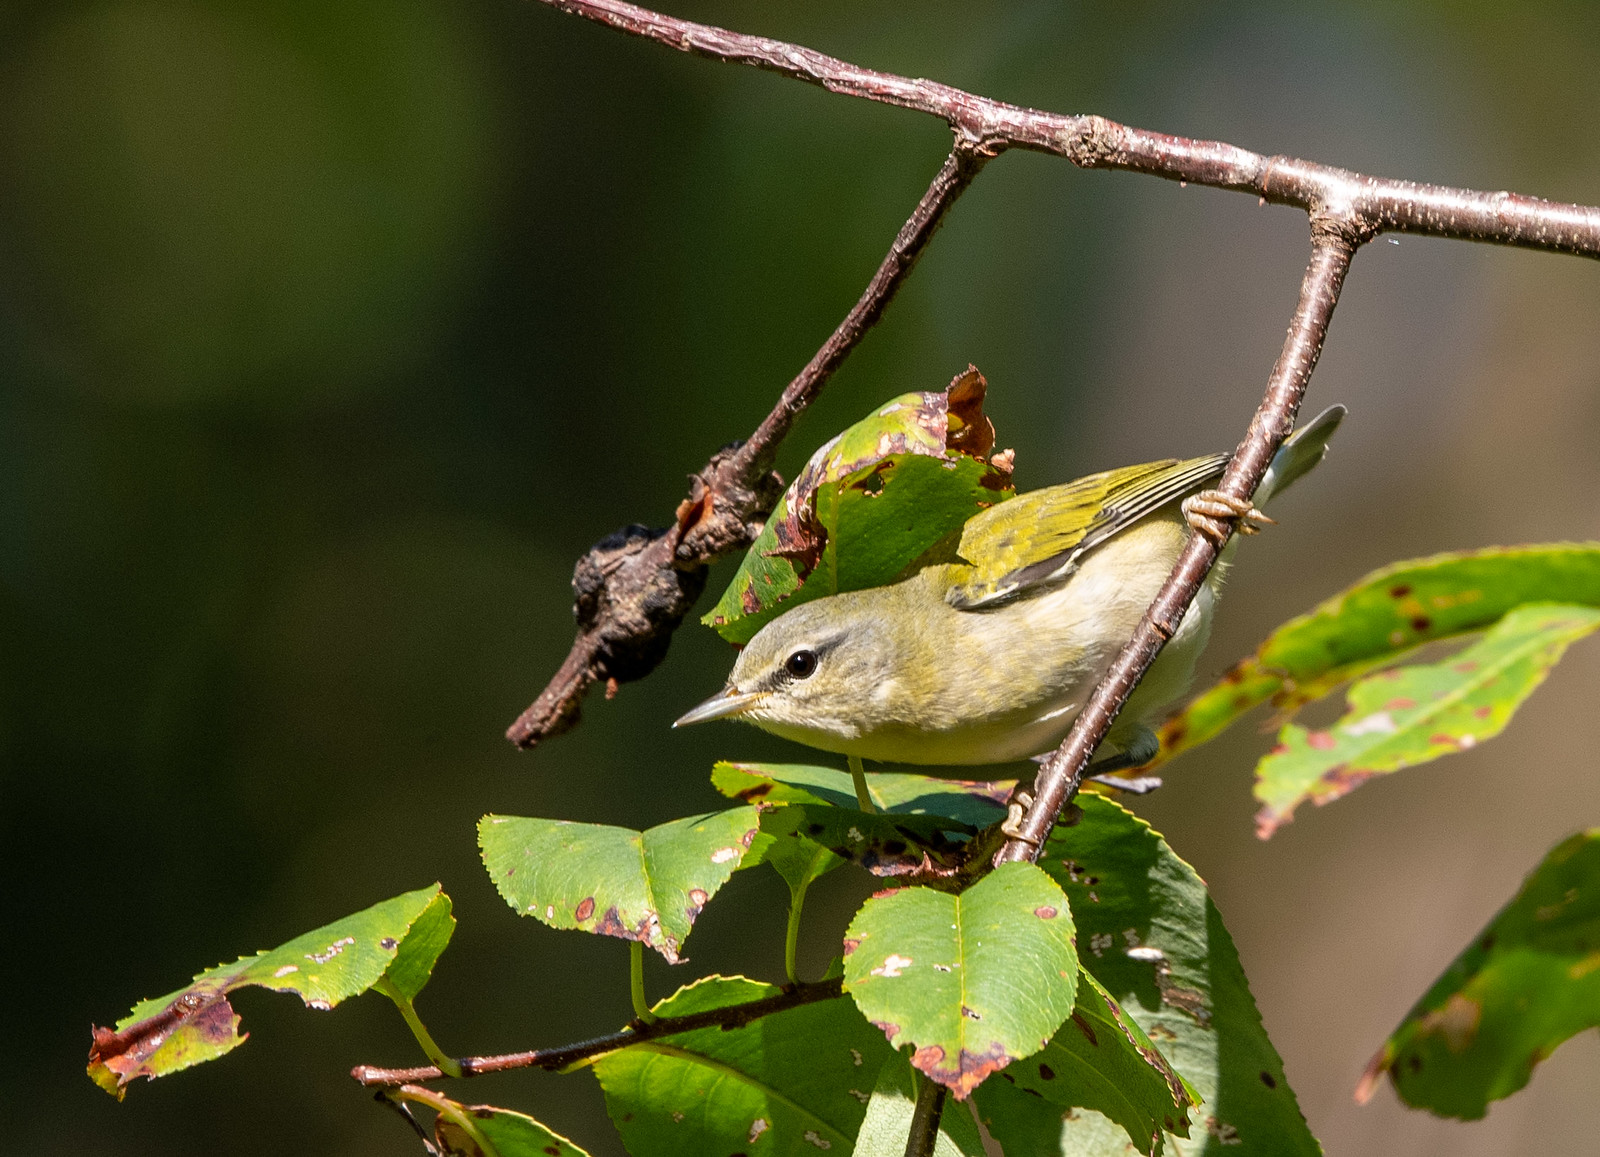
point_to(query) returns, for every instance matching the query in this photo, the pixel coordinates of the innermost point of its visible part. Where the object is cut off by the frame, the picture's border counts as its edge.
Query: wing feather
(1038, 538)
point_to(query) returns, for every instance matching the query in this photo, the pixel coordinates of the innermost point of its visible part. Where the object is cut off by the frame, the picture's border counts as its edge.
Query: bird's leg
(1141, 748)
(1210, 511)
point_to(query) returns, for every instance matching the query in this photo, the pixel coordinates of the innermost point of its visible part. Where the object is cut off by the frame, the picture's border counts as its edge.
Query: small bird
(990, 658)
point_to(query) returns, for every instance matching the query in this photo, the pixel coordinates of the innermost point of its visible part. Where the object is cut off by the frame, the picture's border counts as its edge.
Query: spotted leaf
(648, 886)
(399, 938)
(1148, 932)
(1101, 1060)
(877, 499)
(971, 982)
(1378, 620)
(1528, 981)
(1410, 715)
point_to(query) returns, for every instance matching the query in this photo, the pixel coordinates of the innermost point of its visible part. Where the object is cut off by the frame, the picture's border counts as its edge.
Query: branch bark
(634, 587)
(732, 1017)
(1334, 241)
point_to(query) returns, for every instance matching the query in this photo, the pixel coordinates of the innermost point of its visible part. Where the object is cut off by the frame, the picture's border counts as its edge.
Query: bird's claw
(1020, 803)
(1210, 511)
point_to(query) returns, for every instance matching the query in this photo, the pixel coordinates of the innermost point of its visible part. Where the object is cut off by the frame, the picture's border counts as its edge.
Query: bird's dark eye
(801, 664)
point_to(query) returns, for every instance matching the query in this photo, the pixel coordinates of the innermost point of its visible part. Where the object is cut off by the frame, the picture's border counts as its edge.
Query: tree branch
(731, 1017)
(634, 587)
(1093, 142)
(1333, 244)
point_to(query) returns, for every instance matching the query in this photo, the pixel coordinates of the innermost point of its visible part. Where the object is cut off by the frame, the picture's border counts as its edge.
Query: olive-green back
(1038, 538)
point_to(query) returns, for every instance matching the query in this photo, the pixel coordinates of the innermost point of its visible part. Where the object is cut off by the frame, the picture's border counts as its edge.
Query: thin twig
(1333, 245)
(634, 587)
(731, 1017)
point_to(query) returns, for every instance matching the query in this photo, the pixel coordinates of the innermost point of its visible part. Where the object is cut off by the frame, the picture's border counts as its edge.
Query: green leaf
(789, 1085)
(889, 1113)
(338, 960)
(1383, 616)
(1530, 980)
(1150, 935)
(885, 844)
(972, 981)
(1410, 715)
(485, 1131)
(798, 860)
(1102, 1060)
(421, 948)
(977, 803)
(647, 886)
(884, 495)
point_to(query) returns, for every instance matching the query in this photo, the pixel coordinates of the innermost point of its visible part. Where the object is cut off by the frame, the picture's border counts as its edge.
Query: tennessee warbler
(989, 659)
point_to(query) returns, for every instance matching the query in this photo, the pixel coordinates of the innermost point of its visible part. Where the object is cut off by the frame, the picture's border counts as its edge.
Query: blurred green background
(332, 331)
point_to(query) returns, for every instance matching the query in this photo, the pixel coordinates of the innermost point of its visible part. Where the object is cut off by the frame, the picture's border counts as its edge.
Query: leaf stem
(437, 1055)
(445, 1107)
(791, 936)
(858, 775)
(641, 1006)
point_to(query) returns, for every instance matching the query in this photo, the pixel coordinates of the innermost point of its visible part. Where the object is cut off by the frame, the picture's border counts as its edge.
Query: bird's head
(821, 674)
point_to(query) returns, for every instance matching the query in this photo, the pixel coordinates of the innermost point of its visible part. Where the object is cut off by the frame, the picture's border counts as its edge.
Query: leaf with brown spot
(1378, 620)
(399, 939)
(1156, 944)
(972, 981)
(888, 494)
(1526, 983)
(1102, 1060)
(1453, 705)
(647, 886)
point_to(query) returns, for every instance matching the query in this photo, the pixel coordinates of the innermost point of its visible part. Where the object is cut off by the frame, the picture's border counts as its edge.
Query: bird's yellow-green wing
(1039, 537)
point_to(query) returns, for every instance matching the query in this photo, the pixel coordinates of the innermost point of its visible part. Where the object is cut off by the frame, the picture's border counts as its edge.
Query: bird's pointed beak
(724, 704)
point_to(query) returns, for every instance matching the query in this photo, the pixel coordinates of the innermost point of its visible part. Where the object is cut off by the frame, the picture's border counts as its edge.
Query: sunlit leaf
(869, 504)
(1150, 935)
(792, 1084)
(339, 960)
(889, 1113)
(1409, 715)
(973, 802)
(971, 981)
(1383, 616)
(647, 886)
(485, 1131)
(1102, 1060)
(1528, 981)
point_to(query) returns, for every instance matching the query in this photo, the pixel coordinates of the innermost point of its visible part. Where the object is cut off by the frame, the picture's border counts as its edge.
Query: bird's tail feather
(1304, 449)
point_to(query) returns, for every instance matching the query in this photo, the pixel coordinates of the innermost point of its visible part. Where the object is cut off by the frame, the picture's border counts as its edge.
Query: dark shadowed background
(332, 331)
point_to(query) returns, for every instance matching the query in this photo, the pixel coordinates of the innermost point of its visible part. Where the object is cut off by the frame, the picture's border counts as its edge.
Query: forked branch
(634, 587)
